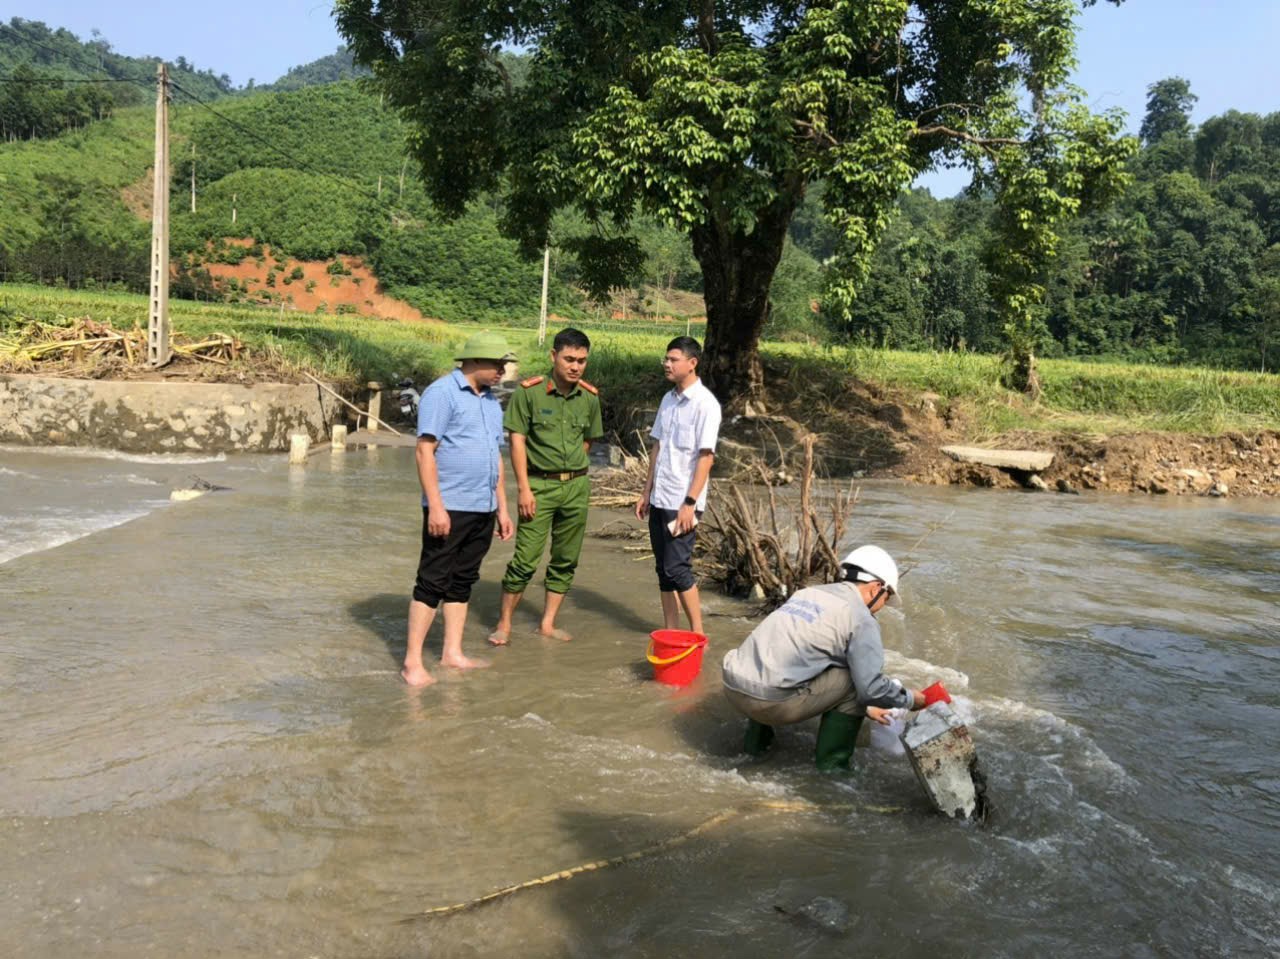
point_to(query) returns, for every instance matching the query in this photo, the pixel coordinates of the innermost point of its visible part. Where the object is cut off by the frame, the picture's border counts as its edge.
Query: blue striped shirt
(468, 427)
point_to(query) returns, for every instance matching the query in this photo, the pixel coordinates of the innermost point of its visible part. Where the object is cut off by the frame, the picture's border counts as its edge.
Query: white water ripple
(32, 534)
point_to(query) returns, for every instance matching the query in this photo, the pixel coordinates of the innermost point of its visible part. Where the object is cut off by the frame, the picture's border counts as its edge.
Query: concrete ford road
(149, 416)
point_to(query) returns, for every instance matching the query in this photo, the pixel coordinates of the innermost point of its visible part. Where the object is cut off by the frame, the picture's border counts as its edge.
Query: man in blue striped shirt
(463, 499)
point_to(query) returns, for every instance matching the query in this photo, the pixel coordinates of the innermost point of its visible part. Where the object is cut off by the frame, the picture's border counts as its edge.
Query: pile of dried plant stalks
(770, 544)
(755, 539)
(87, 340)
(619, 487)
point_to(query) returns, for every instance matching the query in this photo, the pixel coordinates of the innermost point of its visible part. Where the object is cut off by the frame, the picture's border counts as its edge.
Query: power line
(60, 80)
(66, 55)
(149, 84)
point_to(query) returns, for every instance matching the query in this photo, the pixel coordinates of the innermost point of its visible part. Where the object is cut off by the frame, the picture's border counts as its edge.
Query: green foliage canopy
(339, 65)
(1181, 268)
(716, 117)
(306, 215)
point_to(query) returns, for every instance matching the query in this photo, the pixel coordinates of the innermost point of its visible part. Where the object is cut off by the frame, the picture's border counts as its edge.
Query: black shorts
(672, 555)
(450, 565)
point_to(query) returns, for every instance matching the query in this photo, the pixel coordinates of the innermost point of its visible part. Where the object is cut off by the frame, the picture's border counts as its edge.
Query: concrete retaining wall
(160, 417)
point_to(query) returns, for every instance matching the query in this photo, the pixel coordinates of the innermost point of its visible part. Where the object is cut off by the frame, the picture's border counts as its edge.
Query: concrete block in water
(946, 762)
(1029, 461)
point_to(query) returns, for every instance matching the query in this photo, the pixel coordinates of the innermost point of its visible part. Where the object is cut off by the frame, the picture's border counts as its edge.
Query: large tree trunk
(737, 271)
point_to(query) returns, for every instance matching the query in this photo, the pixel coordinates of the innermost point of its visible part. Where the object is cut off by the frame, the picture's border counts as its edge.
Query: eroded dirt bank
(867, 431)
(1233, 464)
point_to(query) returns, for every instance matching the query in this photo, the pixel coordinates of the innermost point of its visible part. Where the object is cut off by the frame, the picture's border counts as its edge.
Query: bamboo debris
(770, 549)
(754, 540)
(620, 487)
(620, 529)
(88, 338)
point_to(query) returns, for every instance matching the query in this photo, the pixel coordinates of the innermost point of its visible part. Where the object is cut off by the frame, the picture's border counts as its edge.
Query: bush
(304, 215)
(464, 270)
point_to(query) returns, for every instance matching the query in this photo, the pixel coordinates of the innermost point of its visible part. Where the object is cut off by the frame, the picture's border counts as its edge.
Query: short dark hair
(686, 345)
(570, 337)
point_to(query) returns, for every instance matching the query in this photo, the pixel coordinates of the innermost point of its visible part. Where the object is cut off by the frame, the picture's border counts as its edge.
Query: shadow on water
(620, 614)
(711, 728)
(385, 617)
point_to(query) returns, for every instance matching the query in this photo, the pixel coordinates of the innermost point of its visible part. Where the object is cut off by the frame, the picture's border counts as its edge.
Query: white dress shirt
(687, 423)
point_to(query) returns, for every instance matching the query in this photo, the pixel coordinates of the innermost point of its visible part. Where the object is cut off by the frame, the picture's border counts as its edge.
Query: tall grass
(1077, 395)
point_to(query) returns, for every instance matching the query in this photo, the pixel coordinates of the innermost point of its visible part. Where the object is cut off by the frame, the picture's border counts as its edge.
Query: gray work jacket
(817, 628)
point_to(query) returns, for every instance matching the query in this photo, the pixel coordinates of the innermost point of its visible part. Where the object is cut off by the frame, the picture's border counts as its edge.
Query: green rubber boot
(758, 739)
(836, 735)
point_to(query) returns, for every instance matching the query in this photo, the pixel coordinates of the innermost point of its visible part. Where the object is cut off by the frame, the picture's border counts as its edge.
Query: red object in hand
(937, 693)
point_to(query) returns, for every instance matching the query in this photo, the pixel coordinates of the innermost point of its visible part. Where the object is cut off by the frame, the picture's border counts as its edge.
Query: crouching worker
(819, 654)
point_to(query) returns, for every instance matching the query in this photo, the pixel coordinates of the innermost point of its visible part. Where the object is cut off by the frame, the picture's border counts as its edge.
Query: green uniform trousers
(561, 511)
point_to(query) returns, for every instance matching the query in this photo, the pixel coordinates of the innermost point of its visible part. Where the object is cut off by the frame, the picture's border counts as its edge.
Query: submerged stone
(824, 912)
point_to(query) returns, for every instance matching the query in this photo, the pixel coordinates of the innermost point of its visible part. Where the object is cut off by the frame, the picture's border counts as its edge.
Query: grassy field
(1078, 396)
(1089, 398)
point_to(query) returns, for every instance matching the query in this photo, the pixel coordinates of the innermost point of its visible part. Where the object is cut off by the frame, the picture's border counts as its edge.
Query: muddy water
(206, 751)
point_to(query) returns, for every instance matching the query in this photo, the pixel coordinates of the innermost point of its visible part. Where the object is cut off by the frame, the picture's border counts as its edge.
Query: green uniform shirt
(554, 425)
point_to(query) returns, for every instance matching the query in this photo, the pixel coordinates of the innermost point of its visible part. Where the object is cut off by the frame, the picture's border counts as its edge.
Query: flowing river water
(207, 750)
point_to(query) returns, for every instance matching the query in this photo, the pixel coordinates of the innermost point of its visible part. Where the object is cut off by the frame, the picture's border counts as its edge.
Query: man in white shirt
(675, 492)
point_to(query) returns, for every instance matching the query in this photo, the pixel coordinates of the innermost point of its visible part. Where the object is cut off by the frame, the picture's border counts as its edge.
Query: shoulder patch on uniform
(589, 387)
(531, 381)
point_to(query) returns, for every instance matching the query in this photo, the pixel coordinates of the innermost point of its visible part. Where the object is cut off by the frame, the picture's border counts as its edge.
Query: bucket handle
(674, 659)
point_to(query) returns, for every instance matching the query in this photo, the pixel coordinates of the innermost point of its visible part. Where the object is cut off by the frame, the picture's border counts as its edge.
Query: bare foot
(417, 676)
(462, 662)
(499, 637)
(554, 633)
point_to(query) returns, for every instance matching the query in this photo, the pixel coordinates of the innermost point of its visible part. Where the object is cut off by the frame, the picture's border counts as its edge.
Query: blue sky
(1227, 49)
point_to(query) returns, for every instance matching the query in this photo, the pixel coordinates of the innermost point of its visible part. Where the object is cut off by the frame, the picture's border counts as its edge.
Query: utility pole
(193, 178)
(158, 353)
(546, 271)
(233, 209)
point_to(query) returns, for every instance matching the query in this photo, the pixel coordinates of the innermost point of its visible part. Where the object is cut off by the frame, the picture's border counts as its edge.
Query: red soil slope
(355, 290)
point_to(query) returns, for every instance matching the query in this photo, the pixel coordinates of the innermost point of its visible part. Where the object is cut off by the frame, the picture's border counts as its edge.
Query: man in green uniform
(552, 421)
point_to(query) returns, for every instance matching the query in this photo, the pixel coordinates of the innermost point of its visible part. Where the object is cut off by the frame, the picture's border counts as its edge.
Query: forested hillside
(53, 81)
(339, 65)
(1185, 267)
(75, 209)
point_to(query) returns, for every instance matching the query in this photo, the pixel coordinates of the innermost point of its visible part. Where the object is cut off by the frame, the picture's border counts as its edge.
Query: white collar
(690, 392)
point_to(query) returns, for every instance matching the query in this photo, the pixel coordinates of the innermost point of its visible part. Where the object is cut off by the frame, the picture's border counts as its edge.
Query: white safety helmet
(868, 563)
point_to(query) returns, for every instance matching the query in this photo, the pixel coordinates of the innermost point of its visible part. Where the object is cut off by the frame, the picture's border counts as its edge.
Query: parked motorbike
(408, 398)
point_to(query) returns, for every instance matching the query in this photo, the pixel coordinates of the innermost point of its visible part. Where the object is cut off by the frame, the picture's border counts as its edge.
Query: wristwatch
(690, 501)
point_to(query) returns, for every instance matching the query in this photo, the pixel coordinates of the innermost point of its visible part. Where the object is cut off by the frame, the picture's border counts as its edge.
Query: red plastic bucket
(676, 655)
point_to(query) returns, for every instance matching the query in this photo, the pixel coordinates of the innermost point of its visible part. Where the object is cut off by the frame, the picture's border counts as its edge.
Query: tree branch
(811, 132)
(707, 27)
(965, 107)
(496, 59)
(986, 143)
